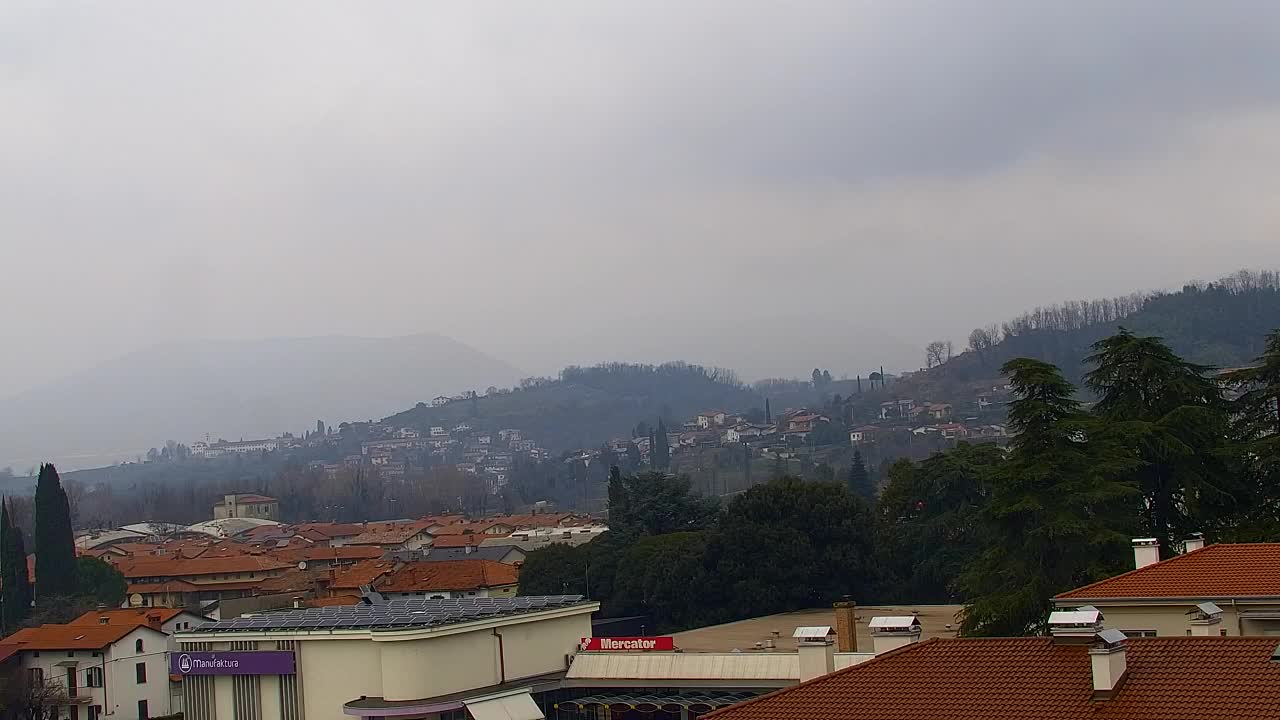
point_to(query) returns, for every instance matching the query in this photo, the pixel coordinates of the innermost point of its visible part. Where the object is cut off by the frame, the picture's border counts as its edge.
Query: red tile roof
(171, 586)
(129, 616)
(332, 601)
(70, 637)
(388, 534)
(449, 575)
(166, 567)
(351, 577)
(1035, 679)
(1215, 571)
(327, 554)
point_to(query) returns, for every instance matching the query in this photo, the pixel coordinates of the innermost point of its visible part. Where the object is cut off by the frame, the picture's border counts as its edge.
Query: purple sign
(249, 662)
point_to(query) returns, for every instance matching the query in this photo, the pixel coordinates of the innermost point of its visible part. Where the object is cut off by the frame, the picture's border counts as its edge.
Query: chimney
(846, 626)
(1205, 619)
(469, 547)
(1193, 543)
(1075, 627)
(1146, 551)
(1107, 656)
(816, 648)
(297, 601)
(891, 633)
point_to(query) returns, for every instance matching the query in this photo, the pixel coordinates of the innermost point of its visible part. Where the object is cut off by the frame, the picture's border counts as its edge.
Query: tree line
(1170, 448)
(65, 586)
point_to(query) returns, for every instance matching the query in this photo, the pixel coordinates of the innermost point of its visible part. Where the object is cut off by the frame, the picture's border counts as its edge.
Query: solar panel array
(394, 614)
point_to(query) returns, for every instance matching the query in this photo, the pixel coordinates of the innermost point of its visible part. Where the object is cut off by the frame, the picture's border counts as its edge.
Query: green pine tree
(55, 546)
(859, 479)
(1051, 521)
(1256, 428)
(1174, 418)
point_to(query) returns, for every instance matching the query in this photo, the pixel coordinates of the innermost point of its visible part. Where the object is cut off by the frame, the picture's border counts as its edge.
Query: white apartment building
(105, 671)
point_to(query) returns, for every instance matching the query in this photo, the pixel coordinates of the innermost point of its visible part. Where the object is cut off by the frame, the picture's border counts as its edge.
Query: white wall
(123, 690)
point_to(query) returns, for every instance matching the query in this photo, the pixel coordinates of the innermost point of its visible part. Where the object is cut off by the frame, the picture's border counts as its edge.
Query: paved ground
(744, 634)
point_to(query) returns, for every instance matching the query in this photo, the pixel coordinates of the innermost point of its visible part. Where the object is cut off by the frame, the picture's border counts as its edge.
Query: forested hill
(1222, 324)
(586, 406)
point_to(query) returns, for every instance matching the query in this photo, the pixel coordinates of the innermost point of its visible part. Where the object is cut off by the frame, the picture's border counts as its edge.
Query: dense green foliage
(1055, 511)
(55, 544)
(1167, 450)
(100, 581)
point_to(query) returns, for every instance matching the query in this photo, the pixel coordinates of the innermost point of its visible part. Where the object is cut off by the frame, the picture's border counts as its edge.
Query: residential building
(105, 671)
(1089, 674)
(1227, 589)
(479, 658)
(863, 433)
(166, 620)
(394, 536)
(181, 581)
(711, 418)
(450, 579)
(257, 507)
(508, 554)
(440, 401)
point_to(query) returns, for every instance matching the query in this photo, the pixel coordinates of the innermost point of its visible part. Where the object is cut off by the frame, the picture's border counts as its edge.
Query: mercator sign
(606, 644)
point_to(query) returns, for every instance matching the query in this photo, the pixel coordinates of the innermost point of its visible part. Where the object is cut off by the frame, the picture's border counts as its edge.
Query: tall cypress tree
(12, 611)
(768, 413)
(24, 594)
(55, 546)
(664, 450)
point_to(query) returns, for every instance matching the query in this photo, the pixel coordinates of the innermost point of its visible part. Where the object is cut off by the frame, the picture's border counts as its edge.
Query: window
(137, 645)
(104, 621)
(93, 677)
(1223, 632)
(1139, 633)
(71, 653)
(95, 712)
(75, 712)
(143, 713)
(141, 670)
(35, 676)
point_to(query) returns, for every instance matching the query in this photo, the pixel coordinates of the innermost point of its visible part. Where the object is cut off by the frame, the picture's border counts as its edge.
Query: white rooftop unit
(1079, 618)
(894, 623)
(813, 633)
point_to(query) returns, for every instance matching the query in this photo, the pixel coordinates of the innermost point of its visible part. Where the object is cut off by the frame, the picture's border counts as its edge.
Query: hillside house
(259, 507)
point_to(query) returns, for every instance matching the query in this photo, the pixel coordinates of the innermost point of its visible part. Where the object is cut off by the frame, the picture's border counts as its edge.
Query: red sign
(610, 644)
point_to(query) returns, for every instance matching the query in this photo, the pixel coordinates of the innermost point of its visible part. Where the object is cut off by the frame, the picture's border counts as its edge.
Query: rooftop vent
(892, 632)
(1195, 542)
(1080, 626)
(816, 651)
(813, 634)
(1107, 659)
(1205, 617)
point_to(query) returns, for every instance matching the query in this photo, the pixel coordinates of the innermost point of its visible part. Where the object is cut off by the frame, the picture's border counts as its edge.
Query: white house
(440, 401)
(106, 671)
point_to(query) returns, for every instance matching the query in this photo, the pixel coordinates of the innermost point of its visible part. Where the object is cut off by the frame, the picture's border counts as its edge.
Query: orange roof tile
(351, 577)
(181, 567)
(332, 601)
(1035, 679)
(1215, 571)
(171, 586)
(327, 554)
(449, 575)
(70, 637)
(128, 616)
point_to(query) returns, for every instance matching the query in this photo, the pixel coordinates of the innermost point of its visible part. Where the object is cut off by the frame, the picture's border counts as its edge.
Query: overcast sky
(762, 185)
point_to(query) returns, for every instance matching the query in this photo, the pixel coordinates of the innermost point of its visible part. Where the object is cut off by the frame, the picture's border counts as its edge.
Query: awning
(509, 705)
(698, 702)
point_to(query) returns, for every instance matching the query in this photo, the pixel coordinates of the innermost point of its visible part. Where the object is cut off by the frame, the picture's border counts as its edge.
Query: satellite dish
(302, 564)
(135, 600)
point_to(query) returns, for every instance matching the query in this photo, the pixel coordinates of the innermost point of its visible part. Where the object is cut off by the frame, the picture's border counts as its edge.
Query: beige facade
(1173, 618)
(247, 506)
(335, 667)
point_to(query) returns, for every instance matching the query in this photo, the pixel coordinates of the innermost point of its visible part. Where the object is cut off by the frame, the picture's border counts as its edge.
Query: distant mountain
(233, 390)
(1221, 324)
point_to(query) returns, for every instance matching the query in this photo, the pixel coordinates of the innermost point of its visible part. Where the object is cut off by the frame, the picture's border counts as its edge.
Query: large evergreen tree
(55, 546)
(859, 479)
(1174, 418)
(13, 573)
(1256, 427)
(1050, 523)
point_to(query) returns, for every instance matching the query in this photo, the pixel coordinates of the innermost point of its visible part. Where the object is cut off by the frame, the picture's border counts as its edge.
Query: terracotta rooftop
(128, 616)
(388, 534)
(165, 567)
(449, 575)
(327, 554)
(1034, 679)
(351, 577)
(70, 637)
(1215, 571)
(171, 586)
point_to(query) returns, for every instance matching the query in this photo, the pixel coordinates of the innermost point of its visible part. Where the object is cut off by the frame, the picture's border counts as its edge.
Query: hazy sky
(764, 185)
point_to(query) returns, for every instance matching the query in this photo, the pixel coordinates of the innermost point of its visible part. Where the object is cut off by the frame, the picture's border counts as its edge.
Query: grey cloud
(767, 186)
